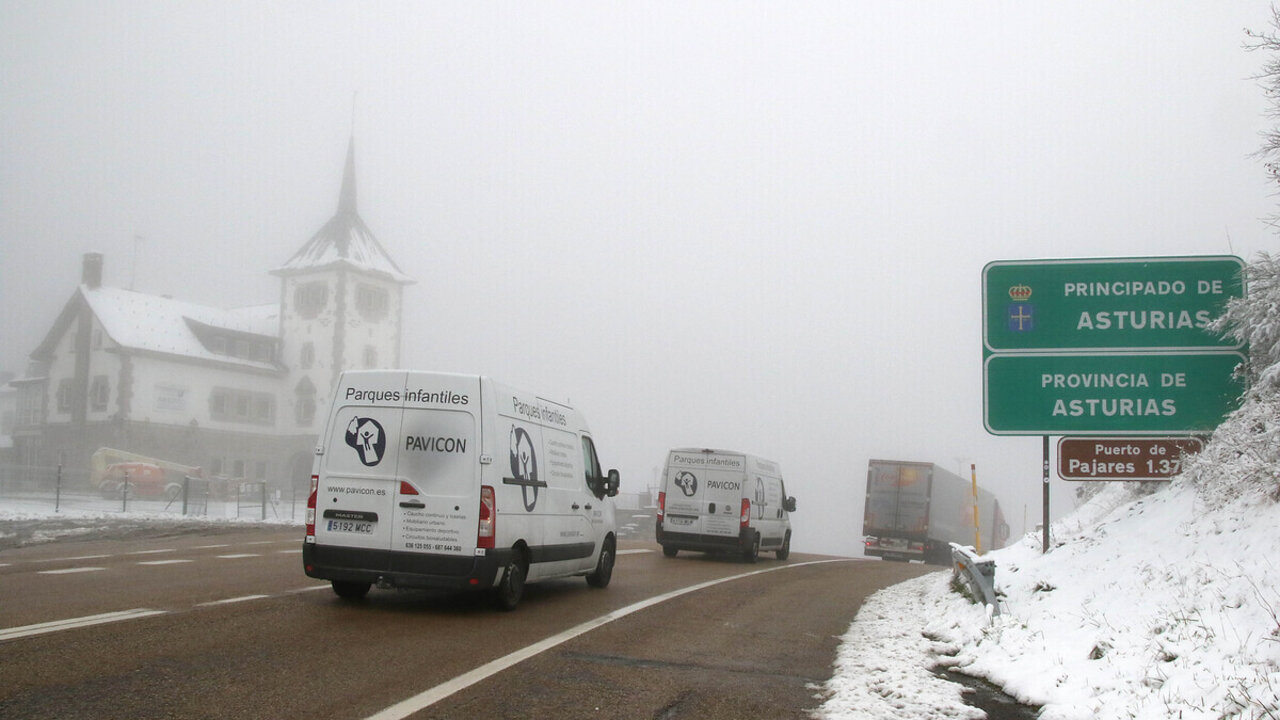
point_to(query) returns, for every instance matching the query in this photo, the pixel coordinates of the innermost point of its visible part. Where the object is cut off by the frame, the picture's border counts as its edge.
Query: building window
(310, 298)
(244, 406)
(29, 404)
(370, 356)
(372, 301)
(304, 402)
(64, 395)
(99, 393)
(308, 356)
(260, 470)
(262, 409)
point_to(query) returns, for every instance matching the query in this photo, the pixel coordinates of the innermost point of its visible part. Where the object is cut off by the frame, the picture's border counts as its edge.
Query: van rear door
(354, 497)
(437, 494)
(704, 493)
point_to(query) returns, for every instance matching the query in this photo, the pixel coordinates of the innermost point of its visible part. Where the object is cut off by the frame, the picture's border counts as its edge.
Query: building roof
(345, 240)
(151, 323)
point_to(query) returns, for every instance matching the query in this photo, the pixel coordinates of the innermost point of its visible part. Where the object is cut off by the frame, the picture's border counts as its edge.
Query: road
(224, 624)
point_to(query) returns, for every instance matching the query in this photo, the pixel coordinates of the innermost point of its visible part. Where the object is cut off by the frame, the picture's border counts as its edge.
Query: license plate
(893, 543)
(677, 520)
(350, 526)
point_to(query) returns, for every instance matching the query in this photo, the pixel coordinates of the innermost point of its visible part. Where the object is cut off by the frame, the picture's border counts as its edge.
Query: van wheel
(604, 567)
(753, 553)
(785, 550)
(511, 588)
(670, 550)
(350, 590)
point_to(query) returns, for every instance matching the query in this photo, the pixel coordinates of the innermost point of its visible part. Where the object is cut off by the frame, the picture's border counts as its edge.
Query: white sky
(758, 226)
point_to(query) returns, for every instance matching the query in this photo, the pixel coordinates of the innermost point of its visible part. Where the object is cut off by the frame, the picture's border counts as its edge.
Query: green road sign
(1109, 394)
(1107, 304)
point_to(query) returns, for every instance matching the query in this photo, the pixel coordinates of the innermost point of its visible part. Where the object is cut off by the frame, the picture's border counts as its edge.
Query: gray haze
(758, 226)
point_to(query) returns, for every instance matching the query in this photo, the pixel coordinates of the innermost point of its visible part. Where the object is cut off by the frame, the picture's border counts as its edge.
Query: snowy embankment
(1154, 602)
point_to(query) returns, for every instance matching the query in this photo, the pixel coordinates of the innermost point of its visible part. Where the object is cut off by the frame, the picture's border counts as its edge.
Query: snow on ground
(1150, 604)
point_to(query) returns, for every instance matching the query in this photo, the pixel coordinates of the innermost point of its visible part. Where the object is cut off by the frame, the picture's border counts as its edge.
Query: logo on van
(524, 467)
(687, 482)
(365, 435)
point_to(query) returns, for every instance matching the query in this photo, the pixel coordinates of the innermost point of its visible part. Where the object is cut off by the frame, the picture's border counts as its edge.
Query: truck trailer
(915, 510)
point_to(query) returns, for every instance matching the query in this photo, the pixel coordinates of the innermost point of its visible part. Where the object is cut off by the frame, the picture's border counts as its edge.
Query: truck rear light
(662, 505)
(745, 520)
(311, 508)
(488, 518)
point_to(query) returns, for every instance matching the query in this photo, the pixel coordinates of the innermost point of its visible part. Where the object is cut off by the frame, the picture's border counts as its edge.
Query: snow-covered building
(240, 392)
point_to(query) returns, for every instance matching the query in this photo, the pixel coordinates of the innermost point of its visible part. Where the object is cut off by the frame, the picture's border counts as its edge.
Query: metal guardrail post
(978, 574)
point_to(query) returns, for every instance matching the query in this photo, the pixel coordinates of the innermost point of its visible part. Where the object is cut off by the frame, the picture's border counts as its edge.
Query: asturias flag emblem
(1021, 314)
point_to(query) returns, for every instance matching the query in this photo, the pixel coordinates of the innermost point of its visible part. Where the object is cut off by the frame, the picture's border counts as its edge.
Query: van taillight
(488, 518)
(745, 520)
(662, 505)
(311, 509)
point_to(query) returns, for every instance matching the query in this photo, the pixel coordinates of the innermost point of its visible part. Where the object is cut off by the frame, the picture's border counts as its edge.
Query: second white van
(723, 501)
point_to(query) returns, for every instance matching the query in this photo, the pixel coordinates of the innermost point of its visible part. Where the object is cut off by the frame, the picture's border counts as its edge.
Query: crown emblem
(1020, 293)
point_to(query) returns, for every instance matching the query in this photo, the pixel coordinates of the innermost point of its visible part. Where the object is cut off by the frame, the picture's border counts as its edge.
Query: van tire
(785, 551)
(604, 566)
(511, 588)
(752, 553)
(350, 590)
(670, 550)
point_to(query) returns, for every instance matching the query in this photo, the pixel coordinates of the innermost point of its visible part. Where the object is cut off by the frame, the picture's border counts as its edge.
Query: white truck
(915, 510)
(722, 501)
(436, 480)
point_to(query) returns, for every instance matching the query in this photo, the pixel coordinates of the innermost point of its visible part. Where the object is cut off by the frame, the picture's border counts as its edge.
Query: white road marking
(151, 552)
(634, 552)
(429, 697)
(68, 571)
(48, 627)
(237, 556)
(228, 601)
(294, 551)
(71, 559)
(210, 547)
(175, 561)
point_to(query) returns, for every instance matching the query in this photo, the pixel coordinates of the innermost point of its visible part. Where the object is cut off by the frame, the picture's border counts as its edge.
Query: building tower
(341, 308)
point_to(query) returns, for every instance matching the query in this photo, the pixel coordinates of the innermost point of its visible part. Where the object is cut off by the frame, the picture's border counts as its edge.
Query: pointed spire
(347, 200)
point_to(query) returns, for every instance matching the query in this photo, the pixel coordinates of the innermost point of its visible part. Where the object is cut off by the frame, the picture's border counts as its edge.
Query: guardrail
(978, 574)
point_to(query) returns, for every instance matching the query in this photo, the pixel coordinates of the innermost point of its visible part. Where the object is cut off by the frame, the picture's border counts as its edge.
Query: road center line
(68, 571)
(48, 627)
(637, 551)
(405, 708)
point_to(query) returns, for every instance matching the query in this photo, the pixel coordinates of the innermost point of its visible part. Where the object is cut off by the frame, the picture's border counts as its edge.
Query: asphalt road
(236, 629)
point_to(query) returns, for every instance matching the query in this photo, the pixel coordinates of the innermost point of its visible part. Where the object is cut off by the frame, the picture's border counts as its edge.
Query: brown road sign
(1111, 458)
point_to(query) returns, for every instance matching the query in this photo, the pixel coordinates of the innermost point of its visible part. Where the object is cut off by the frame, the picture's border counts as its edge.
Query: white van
(723, 501)
(435, 480)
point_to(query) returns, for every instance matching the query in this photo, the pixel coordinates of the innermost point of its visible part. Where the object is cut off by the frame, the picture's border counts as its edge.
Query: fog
(754, 226)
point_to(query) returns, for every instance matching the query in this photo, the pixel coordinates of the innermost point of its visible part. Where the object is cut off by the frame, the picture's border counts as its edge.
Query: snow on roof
(344, 240)
(158, 324)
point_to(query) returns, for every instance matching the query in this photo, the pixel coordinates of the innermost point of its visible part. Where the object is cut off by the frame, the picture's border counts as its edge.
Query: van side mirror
(790, 504)
(611, 484)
